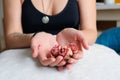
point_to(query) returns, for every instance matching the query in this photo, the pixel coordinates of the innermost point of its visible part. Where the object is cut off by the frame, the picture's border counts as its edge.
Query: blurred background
(1, 14)
(1, 28)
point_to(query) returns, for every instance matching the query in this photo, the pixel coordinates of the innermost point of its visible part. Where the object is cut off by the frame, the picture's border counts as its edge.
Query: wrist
(33, 34)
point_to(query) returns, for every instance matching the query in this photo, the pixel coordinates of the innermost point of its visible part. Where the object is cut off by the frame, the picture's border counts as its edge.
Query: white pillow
(98, 63)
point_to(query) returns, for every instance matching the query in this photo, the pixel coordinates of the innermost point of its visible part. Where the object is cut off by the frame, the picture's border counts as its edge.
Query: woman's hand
(41, 45)
(68, 36)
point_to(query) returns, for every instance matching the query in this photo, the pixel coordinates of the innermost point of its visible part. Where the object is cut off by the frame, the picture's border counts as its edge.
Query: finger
(57, 61)
(35, 51)
(68, 66)
(78, 55)
(82, 40)
(72, 61)
(47, 61)
(62, 63)
(60, 68)
(85, 44)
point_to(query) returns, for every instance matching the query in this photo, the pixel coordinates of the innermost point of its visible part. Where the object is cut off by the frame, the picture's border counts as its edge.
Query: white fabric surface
(98, 63)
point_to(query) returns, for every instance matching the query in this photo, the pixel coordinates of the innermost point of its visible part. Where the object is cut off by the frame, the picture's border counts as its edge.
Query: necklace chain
(43, 6)
(45, 19)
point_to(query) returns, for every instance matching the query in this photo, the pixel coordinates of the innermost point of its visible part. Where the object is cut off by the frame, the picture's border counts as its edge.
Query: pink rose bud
(73, 46)
(63, 51)
(55, 50)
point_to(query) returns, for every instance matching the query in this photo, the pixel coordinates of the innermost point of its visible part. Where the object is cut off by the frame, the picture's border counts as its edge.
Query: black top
(32, 18)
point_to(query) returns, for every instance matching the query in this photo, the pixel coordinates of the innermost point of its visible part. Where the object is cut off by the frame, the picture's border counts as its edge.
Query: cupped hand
(68, 36)
(41, 45)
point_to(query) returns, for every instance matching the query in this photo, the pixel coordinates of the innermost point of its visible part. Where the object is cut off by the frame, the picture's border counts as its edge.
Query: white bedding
(98, 63)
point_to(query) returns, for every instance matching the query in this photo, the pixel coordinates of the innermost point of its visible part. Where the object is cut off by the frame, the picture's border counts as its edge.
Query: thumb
(35, 51)
(85, 44)
(82, 40)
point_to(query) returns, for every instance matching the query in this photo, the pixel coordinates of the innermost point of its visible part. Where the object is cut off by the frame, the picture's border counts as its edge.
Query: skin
(85, 36)
(42, 50)
(70, 35)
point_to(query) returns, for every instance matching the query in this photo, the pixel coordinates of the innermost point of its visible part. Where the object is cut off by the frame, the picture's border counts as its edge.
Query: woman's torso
(32, 18)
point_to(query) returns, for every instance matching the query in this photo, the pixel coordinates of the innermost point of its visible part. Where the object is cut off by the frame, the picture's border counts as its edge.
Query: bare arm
(88, 19)
(12, 25)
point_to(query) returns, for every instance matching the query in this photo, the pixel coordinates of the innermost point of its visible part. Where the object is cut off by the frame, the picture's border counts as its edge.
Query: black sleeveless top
(32, 18)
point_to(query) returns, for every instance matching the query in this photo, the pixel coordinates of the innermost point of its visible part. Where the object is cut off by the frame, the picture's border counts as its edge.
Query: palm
(68, 36)
(43, 42)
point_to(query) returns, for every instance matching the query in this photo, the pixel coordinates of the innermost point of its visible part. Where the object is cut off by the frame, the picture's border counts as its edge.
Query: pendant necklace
(45, 19)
